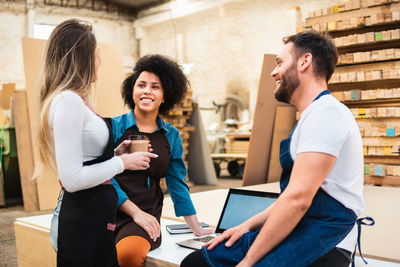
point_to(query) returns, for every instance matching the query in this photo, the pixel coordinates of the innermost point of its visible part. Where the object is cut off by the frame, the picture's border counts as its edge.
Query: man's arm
(235, 233)
(309, 171)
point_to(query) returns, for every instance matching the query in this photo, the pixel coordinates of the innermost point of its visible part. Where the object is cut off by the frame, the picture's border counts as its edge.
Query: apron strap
(361, 221)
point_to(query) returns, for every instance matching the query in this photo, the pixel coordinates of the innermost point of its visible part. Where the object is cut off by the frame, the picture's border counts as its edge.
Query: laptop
(239, 206)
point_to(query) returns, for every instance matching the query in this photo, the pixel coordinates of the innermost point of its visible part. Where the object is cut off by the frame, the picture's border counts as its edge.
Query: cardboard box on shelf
(365, 95)
(370, 36)
(357, 57)
(380, 93)
(395, 34)
(366, 56)
(388, 93)
(361, 38)
(374, 55)
(390, 53)
(386, 74)
(377, 74)
(395, 15)
(348, 6)
(352, 76)
(332, 25)
(387, 16)
(343, 77)
(386, 35)
(355, 4)
(360, 76)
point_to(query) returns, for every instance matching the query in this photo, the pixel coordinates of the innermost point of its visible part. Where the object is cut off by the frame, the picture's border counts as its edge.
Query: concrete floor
(8, 254)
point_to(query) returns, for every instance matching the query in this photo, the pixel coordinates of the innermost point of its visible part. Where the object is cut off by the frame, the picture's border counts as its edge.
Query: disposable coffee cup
(139, 143)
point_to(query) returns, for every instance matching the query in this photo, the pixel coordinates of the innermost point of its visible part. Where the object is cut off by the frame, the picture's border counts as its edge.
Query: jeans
(54, 221)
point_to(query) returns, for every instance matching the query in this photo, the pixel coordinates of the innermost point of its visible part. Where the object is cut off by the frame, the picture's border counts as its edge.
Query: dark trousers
(337, 257)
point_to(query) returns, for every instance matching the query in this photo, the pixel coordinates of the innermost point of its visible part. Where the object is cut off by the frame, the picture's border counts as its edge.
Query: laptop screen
(240, 205)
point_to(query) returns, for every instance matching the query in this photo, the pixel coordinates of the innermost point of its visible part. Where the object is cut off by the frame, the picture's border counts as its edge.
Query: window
(42, 31)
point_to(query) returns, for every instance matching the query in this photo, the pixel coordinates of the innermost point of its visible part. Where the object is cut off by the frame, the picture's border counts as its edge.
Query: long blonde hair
(69, 64)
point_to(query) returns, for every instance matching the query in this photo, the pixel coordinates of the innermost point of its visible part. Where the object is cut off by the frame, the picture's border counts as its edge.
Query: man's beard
(289, 82)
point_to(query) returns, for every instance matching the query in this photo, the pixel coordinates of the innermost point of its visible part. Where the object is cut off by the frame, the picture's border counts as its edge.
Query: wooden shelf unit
(385, 180)
(366, 33)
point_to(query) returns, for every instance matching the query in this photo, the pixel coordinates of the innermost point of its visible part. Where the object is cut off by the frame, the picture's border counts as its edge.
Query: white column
(30, 18)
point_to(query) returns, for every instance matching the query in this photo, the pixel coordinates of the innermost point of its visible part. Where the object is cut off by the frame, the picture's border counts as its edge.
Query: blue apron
(326, 223)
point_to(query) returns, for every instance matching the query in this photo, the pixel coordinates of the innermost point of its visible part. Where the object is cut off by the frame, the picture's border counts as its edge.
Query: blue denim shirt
(176, 172)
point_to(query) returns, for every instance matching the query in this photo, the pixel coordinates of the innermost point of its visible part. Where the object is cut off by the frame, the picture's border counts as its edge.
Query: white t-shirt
(79, 136)
(328, 126)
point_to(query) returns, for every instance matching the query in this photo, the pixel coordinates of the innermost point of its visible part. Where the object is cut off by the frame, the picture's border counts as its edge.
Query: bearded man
(314, 220)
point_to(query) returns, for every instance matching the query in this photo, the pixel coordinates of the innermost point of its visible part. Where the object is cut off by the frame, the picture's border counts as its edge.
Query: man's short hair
(320, 46)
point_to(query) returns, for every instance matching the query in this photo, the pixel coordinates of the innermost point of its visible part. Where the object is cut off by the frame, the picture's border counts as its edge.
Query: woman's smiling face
(148, 93)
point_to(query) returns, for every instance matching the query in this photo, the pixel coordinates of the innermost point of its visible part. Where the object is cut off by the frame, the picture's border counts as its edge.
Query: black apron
(143, 187)
(87, 222)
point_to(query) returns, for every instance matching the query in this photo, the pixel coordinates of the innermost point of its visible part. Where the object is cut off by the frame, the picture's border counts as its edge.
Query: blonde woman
(78, 144)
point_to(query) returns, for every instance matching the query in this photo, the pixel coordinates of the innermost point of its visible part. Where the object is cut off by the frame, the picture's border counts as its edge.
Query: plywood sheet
(257, 164)
(107, 89)
(201, 168)
(33, 54)
(25, 154)
(106, 93)
(285, 119)
(6, 93)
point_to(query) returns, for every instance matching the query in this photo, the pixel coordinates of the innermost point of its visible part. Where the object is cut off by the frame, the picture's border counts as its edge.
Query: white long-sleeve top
(79, 135)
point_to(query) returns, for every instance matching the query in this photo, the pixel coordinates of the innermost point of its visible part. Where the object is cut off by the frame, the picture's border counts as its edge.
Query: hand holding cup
(139, 157)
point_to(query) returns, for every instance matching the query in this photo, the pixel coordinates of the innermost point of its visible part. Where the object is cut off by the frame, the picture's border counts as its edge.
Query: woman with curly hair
(156, 85)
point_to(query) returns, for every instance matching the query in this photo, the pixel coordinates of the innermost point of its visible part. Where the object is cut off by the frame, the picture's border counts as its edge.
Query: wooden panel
(25, 152)
(257, 164)
(111, 74)
(33, 246)
(33, 53)
(285, 120)
(201, 167)
(6, 93)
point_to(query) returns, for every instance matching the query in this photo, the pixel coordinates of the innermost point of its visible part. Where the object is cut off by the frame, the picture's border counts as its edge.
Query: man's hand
(232, 235)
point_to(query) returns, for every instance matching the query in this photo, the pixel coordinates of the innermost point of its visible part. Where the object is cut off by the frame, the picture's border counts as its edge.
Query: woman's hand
(123, 148)
(148, 222)
(203, 231)
(232, 235)
(195, 226)
(137, 160)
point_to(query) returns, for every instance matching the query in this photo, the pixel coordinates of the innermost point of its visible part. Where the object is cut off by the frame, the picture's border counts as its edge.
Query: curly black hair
(173, 81)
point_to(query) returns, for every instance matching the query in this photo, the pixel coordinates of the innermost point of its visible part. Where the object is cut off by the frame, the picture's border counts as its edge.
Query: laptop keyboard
(204, 239)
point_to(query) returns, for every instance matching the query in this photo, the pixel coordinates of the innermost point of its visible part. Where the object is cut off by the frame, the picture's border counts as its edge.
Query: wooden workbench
(381, 241)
